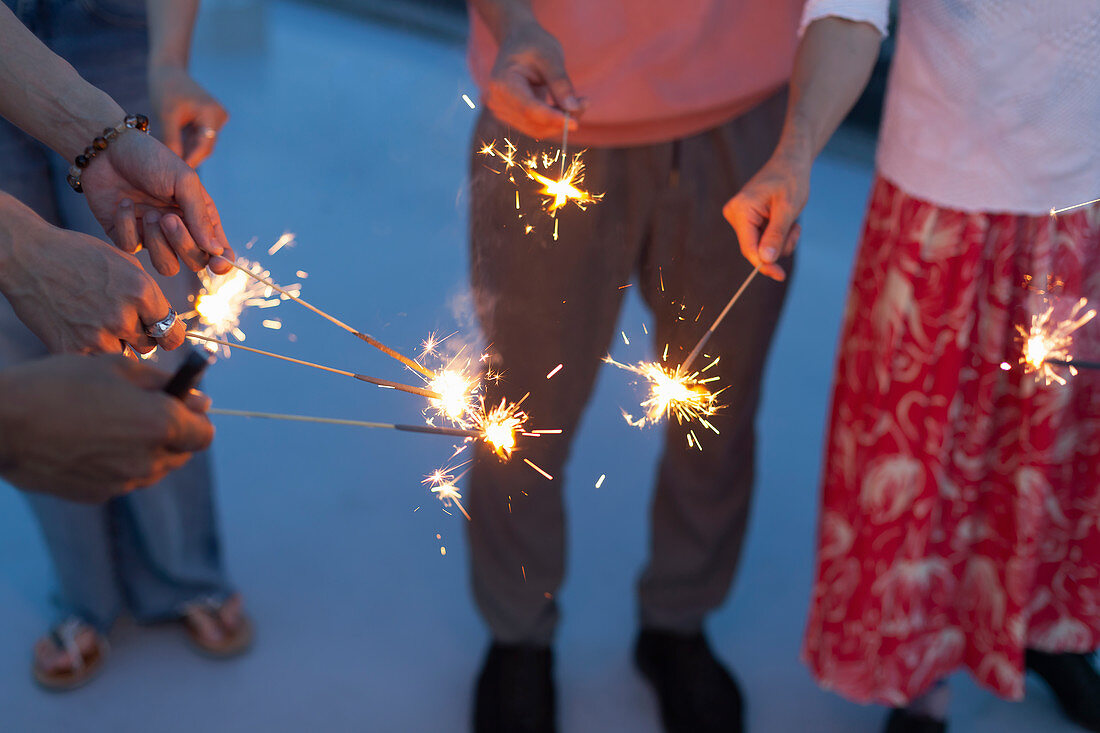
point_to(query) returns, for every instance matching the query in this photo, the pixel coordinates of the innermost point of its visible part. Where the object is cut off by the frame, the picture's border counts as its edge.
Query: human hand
(79, 294)
(528, 88)
(144, 194)
(87, 428)
(765, 212)
(189, 117)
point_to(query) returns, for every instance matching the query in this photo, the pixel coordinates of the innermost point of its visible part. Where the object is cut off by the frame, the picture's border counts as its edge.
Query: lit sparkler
(458, 383)
(1047, 342)
(295, 296)
(557, 192)
(223, 298)
(499, 425)
(672, 393)
(565, 188)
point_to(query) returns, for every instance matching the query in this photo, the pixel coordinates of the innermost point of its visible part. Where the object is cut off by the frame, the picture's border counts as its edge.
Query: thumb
(775, 235)
(560, 86)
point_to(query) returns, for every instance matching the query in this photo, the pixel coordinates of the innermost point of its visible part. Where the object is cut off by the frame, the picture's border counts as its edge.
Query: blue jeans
(156, 549)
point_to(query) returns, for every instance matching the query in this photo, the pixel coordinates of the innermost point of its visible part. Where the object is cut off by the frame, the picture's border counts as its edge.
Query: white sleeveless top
(992, 105)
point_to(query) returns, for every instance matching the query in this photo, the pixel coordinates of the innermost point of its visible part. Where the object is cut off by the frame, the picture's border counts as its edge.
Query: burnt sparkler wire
(385, 383)
(336, 321)
(721, 316)
(426, 429)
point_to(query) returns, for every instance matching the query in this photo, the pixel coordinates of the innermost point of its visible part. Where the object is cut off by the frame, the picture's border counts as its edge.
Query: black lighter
(188, 375)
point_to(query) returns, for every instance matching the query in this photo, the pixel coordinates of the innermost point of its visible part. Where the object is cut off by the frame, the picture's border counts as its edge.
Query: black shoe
(903, 721)
(1074, 681)
(515, 691)
(696, 693)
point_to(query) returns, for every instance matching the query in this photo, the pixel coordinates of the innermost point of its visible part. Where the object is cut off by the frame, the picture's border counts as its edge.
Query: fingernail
(572, 103)
(151, 217)
(126, 203)
(768, 254)
(172, 223)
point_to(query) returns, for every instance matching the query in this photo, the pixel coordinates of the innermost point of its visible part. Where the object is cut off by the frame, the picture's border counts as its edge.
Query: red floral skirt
(960, 518)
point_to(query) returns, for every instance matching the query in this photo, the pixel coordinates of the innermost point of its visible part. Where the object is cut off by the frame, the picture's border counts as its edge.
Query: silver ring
(161, 328)
(208, 132)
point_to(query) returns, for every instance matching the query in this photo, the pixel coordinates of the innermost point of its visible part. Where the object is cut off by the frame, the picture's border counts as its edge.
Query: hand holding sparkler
(764, 213)
(529, 70)
(144, 195)
(77, 293)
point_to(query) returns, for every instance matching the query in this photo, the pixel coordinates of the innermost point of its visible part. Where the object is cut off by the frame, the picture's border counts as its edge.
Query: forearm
(832, 66)
(502, 15)
(171, 23)
(16, 222)
(44, 96)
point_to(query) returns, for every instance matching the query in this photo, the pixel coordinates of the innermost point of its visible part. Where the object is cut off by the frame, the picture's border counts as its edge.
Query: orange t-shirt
(657, 70)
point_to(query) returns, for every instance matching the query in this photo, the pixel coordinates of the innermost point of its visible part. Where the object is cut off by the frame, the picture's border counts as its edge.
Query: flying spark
(556, 192)
(223, 298)
(1049, 340)
(442, 484)
(683, 396)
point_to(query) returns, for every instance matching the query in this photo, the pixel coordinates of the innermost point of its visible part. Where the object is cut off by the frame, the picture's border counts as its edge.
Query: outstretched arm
(833, 63)
(189, 117)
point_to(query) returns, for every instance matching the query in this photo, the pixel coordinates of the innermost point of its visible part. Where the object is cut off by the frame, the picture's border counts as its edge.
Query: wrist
(796, 144)
(84, 113)
(508, 19)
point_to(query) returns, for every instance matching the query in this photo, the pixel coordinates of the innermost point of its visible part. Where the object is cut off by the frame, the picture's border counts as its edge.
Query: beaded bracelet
(132, 122)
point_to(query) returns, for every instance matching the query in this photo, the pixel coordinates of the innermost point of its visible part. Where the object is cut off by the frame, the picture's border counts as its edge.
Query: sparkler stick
(564, 144)
(332, 319)
(706, 336)
(361, 377)
(1056, 212)
(1073, 363)
(454, 432)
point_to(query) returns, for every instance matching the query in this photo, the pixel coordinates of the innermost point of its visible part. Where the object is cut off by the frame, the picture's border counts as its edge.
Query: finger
(216, 220)
(775, 234)
(536, 118)
(144, 345)
(160, 252)
(175, 336)
(194, 202)
(190, 431)
(205, 128)
(126, 233)
(153, 307)
(197, 401)
(792, 239)
(746, 223)
(561, 90)
(224, 263)
(169, 461)
(179, 237)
